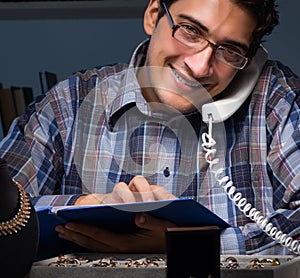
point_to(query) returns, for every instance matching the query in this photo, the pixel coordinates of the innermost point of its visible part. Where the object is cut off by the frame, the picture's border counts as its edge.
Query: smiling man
(191, 47)
(127, 133)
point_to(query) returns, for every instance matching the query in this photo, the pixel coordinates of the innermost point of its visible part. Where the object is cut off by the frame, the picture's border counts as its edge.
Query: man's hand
(150, 237)
(138, 190)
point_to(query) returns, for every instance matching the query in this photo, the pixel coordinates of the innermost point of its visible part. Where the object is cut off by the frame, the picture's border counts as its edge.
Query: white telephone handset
(237, 92)
(221, 110)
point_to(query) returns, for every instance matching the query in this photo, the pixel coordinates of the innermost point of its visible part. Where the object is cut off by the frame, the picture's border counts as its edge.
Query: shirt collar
(130, 91)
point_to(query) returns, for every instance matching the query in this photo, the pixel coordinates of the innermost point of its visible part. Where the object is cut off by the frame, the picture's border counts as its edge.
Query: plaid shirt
(95, 129)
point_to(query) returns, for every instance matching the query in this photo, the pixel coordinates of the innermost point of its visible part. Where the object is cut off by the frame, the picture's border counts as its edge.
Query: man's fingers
(138, 190)
(160, 193)
(102, 240)
(141, 189)
(121, 194)
(139, 184)
(89, 237)
(150, 223)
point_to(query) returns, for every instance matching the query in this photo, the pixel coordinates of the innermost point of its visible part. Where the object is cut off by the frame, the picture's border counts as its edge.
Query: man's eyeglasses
(189, 36)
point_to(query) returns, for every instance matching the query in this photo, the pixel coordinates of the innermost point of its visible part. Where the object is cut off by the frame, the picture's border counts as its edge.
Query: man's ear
(150, 16)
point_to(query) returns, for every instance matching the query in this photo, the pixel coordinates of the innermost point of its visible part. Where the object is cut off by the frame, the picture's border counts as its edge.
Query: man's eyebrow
(204, 28)
(195, 21)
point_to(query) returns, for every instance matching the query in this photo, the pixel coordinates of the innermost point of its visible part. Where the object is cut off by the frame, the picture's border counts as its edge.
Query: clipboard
(118, 218)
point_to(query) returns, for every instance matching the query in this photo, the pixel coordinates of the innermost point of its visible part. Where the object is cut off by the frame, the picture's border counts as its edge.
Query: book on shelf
(51, 79)
(1, 126)
(47, 80)
(118, 218)
(28, 95)
(19, 99)
(13, 101)
(7, 108)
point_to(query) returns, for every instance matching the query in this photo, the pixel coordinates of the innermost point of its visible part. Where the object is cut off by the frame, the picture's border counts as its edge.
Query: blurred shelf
(72, 9)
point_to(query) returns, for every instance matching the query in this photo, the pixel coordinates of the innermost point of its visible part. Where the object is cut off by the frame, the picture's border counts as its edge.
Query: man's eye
(231, 50)
(190, 29)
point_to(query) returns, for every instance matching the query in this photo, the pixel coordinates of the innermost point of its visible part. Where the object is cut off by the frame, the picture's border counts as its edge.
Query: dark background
(65, 45)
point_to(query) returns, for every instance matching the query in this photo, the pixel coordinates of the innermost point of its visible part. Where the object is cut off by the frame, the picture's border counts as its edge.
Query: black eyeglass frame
(215, 47)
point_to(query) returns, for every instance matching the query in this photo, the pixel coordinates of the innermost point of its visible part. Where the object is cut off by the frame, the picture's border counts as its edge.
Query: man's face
(182, 77)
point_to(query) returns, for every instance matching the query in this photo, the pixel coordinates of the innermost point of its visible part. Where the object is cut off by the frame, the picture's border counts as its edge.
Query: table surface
(154, 265)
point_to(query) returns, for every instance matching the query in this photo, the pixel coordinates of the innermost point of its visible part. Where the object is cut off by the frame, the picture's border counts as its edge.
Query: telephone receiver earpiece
(238, 90)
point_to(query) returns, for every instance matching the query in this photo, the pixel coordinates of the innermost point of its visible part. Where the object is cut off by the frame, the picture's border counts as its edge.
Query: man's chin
(180, 105)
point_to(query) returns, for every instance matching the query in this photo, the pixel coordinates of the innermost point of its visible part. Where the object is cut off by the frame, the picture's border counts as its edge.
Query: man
(127, 133)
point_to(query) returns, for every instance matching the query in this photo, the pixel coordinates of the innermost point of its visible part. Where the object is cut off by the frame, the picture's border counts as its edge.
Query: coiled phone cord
(241, 202)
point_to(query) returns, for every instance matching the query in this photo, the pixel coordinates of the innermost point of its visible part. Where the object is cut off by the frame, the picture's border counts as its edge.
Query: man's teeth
(186, 82)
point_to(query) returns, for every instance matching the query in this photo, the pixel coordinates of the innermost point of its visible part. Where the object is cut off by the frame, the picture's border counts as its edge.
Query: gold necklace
(21, 217)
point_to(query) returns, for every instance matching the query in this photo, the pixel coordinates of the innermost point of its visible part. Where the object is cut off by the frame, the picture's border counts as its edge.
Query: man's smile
(184, 80)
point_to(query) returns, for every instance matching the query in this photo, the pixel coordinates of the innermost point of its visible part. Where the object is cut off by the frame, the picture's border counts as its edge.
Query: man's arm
(34, 150)
(283, 161)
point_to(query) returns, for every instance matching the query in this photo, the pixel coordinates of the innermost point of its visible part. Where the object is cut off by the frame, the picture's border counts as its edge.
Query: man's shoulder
(278, 81)
(101, 71)
(277, 71)
(280, 84)
(99, 78)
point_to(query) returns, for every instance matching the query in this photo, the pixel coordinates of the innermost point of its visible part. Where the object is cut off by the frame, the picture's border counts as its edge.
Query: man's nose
(200, 62)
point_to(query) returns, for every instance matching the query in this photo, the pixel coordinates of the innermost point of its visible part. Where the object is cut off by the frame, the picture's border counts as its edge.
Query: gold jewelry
(21, 218)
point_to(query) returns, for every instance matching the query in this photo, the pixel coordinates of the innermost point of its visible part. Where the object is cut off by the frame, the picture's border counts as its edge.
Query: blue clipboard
(119, 218)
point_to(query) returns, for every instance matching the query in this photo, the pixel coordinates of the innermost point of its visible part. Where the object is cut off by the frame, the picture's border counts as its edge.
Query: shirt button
(166, 172)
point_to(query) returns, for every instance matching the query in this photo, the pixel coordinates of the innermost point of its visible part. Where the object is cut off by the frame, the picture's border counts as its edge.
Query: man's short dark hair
(264, 11)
